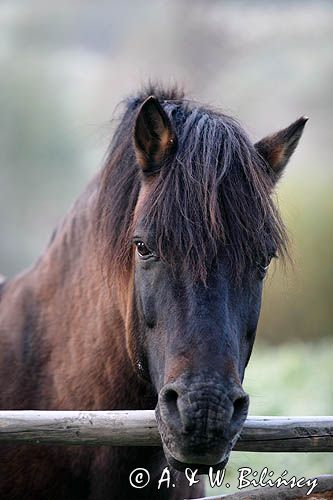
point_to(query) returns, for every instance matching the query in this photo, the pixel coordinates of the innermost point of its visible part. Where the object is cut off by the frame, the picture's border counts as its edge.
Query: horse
(147, 297)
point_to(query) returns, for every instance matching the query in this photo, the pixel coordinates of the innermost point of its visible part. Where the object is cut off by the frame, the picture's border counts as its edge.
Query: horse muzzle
(200, 421)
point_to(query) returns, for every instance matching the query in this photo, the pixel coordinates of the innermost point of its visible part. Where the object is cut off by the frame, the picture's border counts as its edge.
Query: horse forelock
(214, 192)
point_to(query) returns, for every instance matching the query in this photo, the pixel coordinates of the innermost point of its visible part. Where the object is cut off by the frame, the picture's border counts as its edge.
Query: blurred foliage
(293, 379)
(35, 151)
(298, 296)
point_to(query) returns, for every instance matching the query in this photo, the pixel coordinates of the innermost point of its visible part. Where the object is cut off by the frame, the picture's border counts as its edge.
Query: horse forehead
(188, 290)
(146, 188)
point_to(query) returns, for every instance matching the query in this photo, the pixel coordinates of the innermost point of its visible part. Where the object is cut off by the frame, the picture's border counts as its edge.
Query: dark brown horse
(147, 296)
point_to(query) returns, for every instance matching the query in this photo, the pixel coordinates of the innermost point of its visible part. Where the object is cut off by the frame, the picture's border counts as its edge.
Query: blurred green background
(65, 65)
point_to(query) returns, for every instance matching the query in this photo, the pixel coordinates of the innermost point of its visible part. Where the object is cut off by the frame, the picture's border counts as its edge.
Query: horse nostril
(170, 400)
(241, 405)
(169, 406)
(170, 397)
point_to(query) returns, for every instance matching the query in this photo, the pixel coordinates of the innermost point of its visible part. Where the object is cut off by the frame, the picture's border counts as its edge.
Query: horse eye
(263, 265)
(142, 249)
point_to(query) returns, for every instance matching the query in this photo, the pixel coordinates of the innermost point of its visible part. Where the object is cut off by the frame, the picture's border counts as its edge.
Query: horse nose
(215, 409)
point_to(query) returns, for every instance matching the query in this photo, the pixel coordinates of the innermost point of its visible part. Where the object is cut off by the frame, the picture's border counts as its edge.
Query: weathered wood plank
(116, 428)
(323, 490)
(287, 434)
(138, 428)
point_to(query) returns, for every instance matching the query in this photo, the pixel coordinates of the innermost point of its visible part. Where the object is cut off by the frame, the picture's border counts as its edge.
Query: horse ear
(153, 135)
(277, 149)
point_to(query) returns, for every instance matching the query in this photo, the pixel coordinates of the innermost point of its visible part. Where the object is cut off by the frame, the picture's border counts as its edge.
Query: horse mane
(213, 193)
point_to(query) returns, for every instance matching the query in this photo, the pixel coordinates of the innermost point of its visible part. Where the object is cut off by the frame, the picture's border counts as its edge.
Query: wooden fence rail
(138, 428)
(323, 491)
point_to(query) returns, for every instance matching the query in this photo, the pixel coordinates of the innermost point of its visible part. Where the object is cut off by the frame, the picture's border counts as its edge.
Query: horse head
(195, 238)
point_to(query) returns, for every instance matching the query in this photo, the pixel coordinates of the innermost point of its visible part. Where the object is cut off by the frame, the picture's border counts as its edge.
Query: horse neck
(80, 323)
